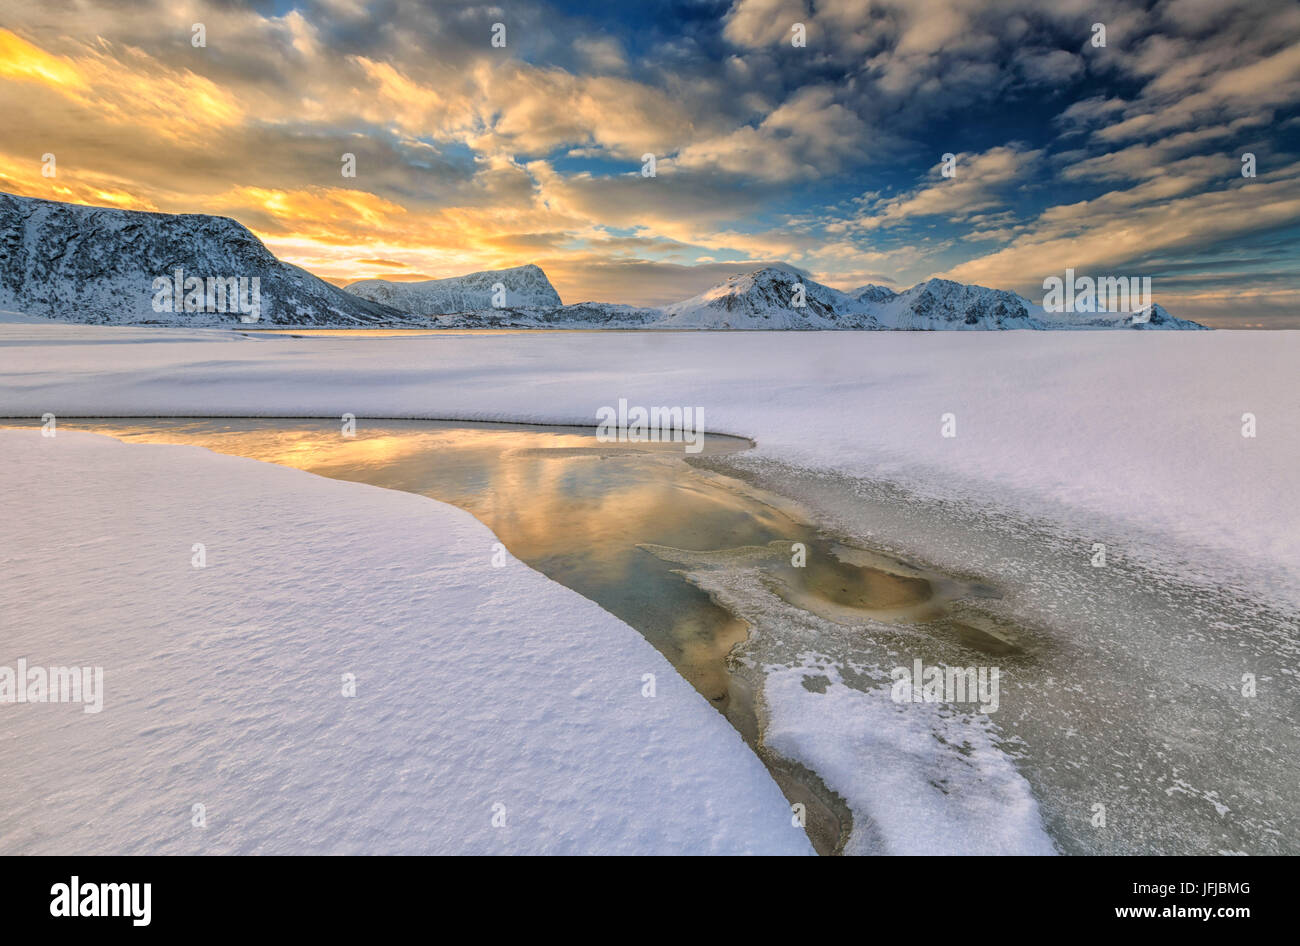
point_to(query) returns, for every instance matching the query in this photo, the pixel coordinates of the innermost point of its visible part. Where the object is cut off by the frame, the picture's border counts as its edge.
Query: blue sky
(1118, 159)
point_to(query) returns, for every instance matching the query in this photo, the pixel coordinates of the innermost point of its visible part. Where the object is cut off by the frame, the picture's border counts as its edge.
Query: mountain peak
(770, 297)
(939, 284)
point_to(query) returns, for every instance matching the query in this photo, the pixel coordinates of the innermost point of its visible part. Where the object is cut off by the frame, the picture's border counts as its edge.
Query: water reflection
(625, 525)
(612, 521)
(622, 524)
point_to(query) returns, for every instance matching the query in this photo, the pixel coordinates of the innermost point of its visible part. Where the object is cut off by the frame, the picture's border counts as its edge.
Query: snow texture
(476, 686)
(921, 779)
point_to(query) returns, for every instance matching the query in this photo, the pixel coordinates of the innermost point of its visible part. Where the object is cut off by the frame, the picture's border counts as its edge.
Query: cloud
(1119, 232)
(979, 183)
(123, 87)
(825, 157)
(1229, 64)
(808, 135)
(601, 53)
(1050, 67)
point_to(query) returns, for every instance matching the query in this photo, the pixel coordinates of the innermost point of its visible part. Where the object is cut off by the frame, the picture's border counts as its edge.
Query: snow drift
(412, 699)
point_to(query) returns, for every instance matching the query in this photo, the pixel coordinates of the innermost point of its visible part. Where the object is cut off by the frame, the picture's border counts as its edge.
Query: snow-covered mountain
(522, 287)
(768, 298)
(76, 263)
(1149, 317)
(871, 293)
(765, 299)
(101, 265)
(940, 304)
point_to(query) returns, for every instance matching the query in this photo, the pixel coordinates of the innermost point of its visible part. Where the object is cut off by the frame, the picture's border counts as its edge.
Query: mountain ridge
(519, 286)
(780, 298)
(100, 265)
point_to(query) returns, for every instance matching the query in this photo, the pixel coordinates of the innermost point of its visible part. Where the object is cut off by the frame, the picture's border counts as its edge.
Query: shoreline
(893, 591)
(1043, 468)
(1023, 611)
(1101, 649)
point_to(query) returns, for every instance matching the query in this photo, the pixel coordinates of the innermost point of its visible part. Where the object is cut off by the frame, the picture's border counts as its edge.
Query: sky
(1122, 159)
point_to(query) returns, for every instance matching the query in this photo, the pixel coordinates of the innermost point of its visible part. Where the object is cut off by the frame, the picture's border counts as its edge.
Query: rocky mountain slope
(99, 265)
(769, 298)
(940, 305)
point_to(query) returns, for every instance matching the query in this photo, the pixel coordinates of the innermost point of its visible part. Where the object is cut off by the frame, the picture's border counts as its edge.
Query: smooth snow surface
(475, 686)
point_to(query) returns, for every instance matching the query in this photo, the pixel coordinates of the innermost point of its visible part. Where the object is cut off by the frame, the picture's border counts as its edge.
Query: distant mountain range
(766, 299)
(769, 298)
(75, 263)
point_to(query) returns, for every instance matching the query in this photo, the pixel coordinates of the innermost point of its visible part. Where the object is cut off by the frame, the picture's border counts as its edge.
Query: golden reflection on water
(580, 512)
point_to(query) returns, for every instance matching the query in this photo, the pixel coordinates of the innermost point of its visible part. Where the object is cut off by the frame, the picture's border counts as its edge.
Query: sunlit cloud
(826, 157)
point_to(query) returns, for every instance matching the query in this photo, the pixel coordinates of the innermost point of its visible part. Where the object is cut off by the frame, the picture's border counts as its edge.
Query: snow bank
(1140, 429)
(481, 692)
(920, 778)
